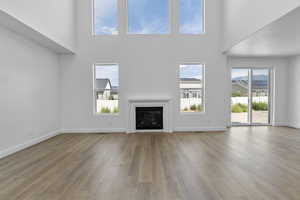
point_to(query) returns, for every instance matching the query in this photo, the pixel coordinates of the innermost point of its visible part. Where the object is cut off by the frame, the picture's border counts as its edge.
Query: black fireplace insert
(149, 118)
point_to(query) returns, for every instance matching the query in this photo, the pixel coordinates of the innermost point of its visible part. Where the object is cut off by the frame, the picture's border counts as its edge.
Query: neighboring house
(115, 92)
(103, 88)
(259, 86)
(190, 88)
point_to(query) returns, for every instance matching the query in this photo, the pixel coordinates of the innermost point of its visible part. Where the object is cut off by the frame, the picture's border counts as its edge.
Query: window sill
(192, 113)
(106, 114)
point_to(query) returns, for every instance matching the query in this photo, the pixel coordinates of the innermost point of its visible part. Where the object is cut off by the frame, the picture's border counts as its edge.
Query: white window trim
(122, 25)
(203, 88)
(95, 113)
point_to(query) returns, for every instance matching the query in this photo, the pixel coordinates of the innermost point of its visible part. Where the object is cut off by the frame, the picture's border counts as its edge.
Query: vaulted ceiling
(280, 38)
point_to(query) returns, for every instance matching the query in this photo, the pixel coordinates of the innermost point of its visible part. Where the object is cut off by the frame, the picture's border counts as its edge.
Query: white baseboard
(294, 125)
(199, 129)
(111, 130)
(280, 124)
(27, 144)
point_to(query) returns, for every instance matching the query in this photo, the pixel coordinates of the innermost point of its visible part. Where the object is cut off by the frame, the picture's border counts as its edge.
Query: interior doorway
(251, 96)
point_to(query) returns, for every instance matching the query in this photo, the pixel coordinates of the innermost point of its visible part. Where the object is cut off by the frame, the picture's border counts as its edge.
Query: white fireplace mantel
(164, 102)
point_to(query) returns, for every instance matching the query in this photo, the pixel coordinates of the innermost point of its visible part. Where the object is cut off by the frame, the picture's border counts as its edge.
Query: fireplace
(149, 118)
(155, 108)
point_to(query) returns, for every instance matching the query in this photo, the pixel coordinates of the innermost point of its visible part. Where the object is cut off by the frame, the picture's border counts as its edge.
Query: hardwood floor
(259, 163)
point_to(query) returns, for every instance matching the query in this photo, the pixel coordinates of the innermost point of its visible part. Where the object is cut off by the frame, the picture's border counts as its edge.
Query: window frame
(203, 17)
(173, 19)
(203, 88)
(93, 21)
(95, 91)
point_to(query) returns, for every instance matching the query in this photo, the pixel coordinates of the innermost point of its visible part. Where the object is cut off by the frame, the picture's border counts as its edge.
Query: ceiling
(280, 38)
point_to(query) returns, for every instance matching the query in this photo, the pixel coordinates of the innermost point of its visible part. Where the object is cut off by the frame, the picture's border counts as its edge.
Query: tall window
(106, 88)
(191, 87)
(148, 16)
(191, 17)
(105, 17)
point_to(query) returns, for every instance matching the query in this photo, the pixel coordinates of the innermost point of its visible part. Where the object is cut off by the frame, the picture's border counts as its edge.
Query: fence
(244, 100)
(187, 103)
(110, 104)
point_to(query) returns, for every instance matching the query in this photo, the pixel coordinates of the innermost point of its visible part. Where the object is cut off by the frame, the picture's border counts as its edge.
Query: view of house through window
(191, 16)
(148, 16)
(105, 17)
(106, 88)
(191, 88)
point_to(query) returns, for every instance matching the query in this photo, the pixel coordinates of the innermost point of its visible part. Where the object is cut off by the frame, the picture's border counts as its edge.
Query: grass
(239, 108)
(257, 106)
(260, 106)
(105, 110)
(193, 108)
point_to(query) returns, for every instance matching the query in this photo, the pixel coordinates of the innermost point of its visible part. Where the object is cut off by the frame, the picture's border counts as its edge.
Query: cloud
(148, 17)
(191, 71)
(156, 26)
(104, 7)
(192, 25)
(105, 16)
(108, 30)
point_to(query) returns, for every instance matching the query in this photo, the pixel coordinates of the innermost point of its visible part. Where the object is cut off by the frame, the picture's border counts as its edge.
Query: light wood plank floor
(259, 163)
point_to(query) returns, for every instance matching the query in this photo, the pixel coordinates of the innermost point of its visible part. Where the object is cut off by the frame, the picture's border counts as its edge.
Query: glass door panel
(260, 100)
(240, 96)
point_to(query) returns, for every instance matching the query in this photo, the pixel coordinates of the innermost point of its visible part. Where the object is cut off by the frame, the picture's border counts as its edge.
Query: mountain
(255, 78)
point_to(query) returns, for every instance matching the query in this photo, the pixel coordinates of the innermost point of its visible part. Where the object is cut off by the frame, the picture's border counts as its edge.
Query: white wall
(54, 18)
(29, 88)
(280, 84)
(148, 67)
(294, 92)
(241, 18)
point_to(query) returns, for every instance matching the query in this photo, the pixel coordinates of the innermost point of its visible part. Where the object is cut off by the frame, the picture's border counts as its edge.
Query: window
(191, 16)
(148, 16)
(106, 88)
(105, 17)
(191, 87)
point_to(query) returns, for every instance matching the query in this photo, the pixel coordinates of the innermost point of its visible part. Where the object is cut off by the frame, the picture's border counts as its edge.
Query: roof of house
(101, 84)
(256, 84)
(115, 90)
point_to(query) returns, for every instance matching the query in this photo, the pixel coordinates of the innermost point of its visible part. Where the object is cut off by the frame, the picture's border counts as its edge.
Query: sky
(110, 72)
(148, 16)
(105, 17)
(191, 71)
(191, 16)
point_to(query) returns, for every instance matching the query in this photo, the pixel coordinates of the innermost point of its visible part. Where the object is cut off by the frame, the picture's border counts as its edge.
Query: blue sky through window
(148, 16)
(191, 71)
(106, 17)
(191, 16)
(110, 72)
(237, 73)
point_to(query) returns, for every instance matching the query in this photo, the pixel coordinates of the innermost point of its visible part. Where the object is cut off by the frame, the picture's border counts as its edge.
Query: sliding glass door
(240, 96)
(260, 95)
(250, 98)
